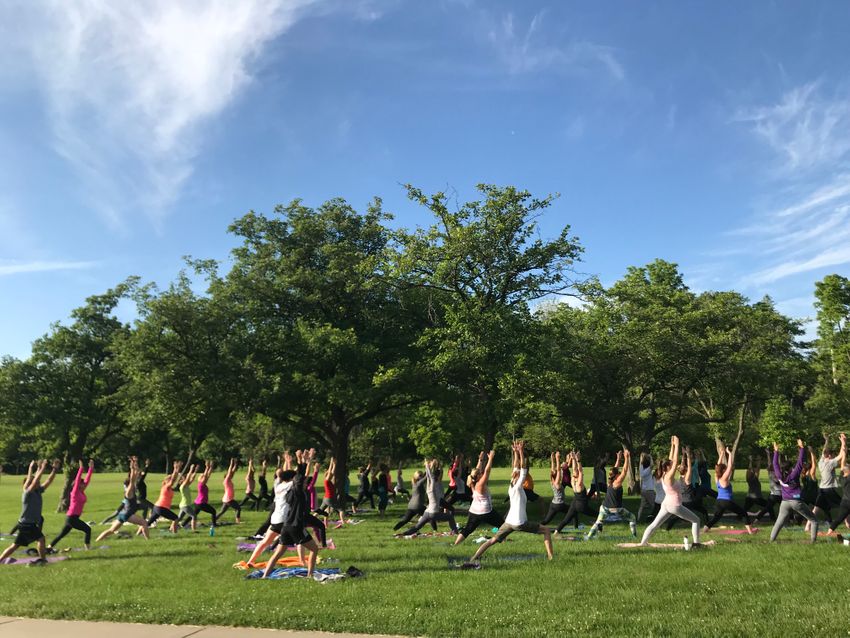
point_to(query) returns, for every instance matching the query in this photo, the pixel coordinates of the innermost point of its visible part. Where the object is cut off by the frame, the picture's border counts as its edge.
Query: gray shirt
(557, 495)
(417, 495)
(31, 506)
(434, 490)
(826, 467)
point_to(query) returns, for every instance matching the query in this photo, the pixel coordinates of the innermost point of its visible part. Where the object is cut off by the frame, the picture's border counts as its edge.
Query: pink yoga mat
(659, 545)
(734, 532)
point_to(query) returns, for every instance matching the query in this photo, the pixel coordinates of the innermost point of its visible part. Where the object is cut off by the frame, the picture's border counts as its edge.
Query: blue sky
(131, 134)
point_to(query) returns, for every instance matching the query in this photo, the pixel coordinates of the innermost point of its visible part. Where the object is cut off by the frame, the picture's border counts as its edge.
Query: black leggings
(432, 518)
(749, 501)
(694, 506)
(409, 515)
(554, 508)
(577, 506)
(772, 501)
(209, 509)
(318, 526)
(721, 506)
(362, 496)
(231, 505)
(253, 499)
(843, 512)
(491, 518)
(73, 522)
(161, 512)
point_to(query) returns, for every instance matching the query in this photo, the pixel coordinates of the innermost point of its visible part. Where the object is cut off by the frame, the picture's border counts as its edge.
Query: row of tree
(332, 328)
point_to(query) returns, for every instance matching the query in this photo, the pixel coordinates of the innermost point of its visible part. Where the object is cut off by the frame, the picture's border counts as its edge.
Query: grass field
(744, 587)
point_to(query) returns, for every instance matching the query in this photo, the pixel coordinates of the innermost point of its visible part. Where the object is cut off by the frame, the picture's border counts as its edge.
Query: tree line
(329, 327)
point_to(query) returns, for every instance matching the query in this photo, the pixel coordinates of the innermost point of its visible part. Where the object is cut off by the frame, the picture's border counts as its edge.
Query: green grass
(734, 588)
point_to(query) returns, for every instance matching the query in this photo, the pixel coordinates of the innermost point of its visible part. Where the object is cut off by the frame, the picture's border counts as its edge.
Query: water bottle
(212, 530)
(687, 544)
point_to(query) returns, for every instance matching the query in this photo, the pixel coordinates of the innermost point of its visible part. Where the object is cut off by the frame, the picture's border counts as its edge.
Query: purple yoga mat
(32, 559)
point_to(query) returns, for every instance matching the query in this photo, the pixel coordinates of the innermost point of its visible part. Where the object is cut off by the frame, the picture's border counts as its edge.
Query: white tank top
(480, 502)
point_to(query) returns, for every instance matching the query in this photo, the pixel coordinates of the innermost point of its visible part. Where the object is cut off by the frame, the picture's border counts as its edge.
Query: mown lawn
(740, 587)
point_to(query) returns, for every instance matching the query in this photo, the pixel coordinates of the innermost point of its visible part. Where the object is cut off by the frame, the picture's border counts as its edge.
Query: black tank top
(613, 497)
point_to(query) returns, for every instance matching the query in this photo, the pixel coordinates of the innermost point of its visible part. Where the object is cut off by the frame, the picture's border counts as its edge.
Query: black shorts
(293, 535)
(28, 534)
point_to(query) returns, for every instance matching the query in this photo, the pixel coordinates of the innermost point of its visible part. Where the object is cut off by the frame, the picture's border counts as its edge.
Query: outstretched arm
(626, 465)
(674, 456)
(52, 474)
(730, 465)
(842, 455)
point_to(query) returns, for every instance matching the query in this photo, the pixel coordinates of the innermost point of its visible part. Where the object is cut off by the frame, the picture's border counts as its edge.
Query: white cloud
(806, 128)
(805, 226)
(128, 86)
(20, 267)
(526, 50)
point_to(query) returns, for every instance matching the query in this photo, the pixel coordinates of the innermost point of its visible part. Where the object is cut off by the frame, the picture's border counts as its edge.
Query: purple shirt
(790, 484)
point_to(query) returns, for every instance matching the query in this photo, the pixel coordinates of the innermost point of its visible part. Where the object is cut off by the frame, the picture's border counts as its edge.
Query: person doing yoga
(580, 503)
(416, 503)
(612, 505)
(290, 522)
(162, 507)
(186, 506)
(647, 486)
(556, 479)
(228, 500)
(481, 508)
(77, 500)
(250, 484)
(131, 505)
(434, 490)
(202, 500)
(788, 477)
(31, 521)
(517, 518)
(723, 472)
(672, 503)
(828, 496)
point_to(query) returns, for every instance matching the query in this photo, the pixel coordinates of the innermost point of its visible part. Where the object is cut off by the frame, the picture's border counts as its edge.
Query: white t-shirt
(826, 467)
(647, 480)
(516, 514)
(280, 491)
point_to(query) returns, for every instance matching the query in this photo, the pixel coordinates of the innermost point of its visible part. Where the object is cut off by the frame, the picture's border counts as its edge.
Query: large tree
(481, 264)
(325, 333)
(61, 401)
(830, 404)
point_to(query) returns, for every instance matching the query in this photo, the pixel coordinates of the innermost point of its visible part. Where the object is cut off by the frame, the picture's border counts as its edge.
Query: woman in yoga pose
(789, 479)
(186, 507)
(202, 500)
(228, 500)
(481, 509)
(416, 503)
(142, 489)
(580, 503)
(613, 503)
(380, 486)
(31, 521)
(517, 518)
(75, 508)
(399, 489)
(434, 490)
(672, 504)
(556, 480)
(131, 505)
(289, 524)
(723, 472)
(162, 507)
(331, 501)
(265, 496)
(691, 494)
(828, 496)
(364, 490)
(755, 496)
(250, 484)
(647, 486)
(844, 505)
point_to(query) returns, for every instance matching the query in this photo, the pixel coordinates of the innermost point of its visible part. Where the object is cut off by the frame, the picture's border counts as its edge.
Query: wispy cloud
(806, 128)
(805, 226)
(129, 86)
(21, 267)
(527, 49)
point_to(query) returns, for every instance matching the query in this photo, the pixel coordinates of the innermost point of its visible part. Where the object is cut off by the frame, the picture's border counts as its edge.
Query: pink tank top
(228, 491)
(203, 494)
(672, 494)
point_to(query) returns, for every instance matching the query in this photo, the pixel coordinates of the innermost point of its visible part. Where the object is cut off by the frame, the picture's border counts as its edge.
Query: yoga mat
(283, 573)
(425, 535)
(31, 559)
(735, 532)
(661, 545)
(286, 561)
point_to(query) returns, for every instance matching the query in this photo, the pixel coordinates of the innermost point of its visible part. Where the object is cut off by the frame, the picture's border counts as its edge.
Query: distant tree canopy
(333, 329)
